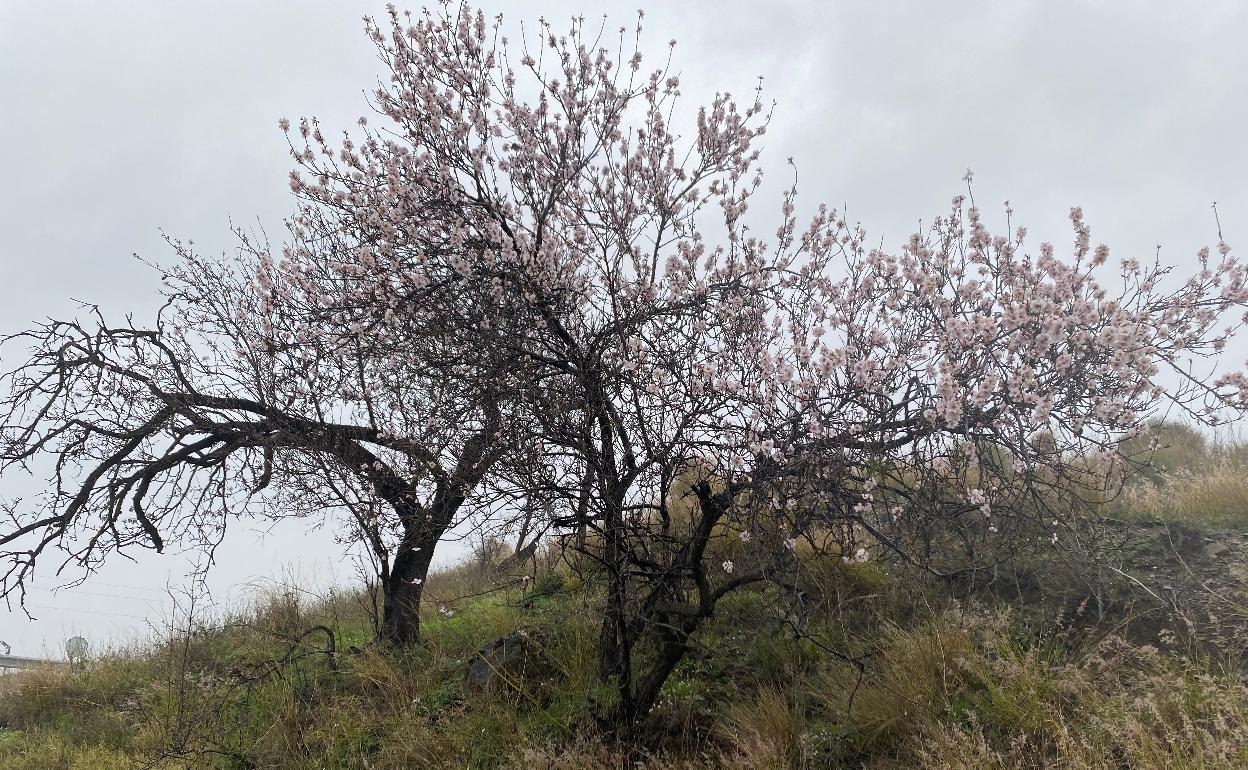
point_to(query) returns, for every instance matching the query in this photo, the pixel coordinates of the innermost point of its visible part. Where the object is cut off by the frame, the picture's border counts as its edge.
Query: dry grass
(959, 692)
(1215, 494)
(1188, 478)
(766, 731)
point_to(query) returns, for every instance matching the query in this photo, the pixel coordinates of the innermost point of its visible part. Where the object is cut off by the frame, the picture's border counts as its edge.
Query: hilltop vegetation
(1048, 665)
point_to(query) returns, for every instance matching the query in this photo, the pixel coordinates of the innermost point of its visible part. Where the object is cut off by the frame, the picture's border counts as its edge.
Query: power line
(95, 583)
(58, 592)
(122, 585)
(88, 612)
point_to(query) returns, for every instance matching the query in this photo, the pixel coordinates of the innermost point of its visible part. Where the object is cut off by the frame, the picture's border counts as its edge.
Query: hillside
(892, 670)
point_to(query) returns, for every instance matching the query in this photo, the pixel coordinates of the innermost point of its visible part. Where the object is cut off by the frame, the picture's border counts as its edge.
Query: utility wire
(59, 592)
(120, 585)
(88, 612)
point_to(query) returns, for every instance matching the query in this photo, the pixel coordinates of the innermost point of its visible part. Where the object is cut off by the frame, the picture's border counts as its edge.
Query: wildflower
(790, 543)
(745, 536)
(727, 565)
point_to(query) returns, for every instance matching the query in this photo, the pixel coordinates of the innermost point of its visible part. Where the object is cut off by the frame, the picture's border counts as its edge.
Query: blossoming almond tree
(958, 393)
(583, 240)
(693, 398)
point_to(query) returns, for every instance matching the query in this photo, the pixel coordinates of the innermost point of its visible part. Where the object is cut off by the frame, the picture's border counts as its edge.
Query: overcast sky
(120, 119)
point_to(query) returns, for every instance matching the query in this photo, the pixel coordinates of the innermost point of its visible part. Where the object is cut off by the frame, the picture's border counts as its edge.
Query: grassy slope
(944, 683)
